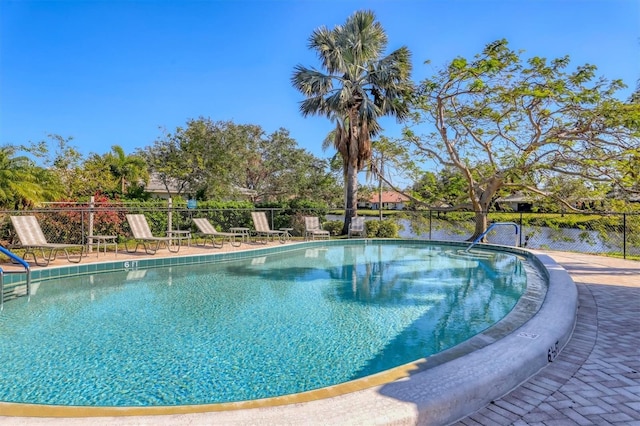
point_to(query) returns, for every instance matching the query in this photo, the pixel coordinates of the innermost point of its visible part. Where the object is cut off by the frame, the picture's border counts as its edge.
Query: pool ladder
(16, 259)
(490, 228)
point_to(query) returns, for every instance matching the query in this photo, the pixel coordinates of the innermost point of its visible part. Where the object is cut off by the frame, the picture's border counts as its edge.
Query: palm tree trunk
(351, 205)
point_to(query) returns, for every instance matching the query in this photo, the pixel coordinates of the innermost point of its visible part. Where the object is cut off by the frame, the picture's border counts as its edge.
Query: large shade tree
(279, 170)
(506, 123)
(445, 188)
(357, 87)
(222, 160)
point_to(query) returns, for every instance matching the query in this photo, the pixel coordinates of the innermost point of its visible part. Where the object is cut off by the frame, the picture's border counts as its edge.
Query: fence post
(520, 245)
(169, 214)
(273, 213)
(624, 235)
(82, 234)
(430, 213)
(92, 204)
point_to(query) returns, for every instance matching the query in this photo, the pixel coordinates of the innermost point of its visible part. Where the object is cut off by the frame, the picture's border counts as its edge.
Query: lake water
(533, 237)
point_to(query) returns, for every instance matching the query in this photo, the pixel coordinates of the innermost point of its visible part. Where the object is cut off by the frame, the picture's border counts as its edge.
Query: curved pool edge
(406, 395)
(462, 386)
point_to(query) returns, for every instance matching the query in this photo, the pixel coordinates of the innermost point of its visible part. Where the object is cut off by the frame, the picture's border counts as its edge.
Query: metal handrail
(17, 259)
(489, 229)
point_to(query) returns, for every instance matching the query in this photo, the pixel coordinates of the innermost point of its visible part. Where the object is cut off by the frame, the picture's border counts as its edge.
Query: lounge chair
(143, 236)
(32, 239)
(207, 230)
(313, 228)
(262, 228)
(357, 227)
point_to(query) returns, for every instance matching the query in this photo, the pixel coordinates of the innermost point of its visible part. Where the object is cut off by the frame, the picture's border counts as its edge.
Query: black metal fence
(612, 234)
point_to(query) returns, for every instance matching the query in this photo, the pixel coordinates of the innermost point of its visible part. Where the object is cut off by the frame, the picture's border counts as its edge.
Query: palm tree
(126, 168)
(22, 183)
(359, 87)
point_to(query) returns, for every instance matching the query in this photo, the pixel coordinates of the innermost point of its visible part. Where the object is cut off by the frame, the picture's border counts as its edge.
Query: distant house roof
(389, 197)
(155, 185)
(245, 191)
(518, 197)
(440, 205)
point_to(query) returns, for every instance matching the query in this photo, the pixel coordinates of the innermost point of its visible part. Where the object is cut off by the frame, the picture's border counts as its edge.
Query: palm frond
(311, 82)
(314, 106)
(324, 42)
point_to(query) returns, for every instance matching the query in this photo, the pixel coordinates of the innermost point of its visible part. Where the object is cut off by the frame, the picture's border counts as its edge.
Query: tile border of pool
(441, 388)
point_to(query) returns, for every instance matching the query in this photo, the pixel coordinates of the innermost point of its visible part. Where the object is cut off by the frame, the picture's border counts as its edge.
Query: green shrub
(333, 226)
(381, 228)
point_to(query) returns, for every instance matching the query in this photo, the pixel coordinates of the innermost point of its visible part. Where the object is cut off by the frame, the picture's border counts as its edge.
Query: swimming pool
(257, 327)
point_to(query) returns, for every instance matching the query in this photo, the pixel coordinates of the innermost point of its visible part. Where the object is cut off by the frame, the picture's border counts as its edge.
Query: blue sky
(115, 72)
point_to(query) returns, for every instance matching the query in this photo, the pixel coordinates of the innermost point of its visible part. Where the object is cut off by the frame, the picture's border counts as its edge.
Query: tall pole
(92, 205)
(380, 185)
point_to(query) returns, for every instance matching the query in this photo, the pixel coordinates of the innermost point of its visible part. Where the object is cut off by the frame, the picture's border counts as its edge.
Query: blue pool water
(253, 328)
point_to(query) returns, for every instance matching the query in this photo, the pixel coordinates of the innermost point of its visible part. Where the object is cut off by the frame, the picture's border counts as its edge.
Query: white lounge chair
(32, 238)
(262, 228)
(313, 228)
(143, 236)
(356, 227)
(208, 231)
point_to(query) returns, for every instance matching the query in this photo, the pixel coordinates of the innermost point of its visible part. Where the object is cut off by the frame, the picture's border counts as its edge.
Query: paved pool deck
(595, 380)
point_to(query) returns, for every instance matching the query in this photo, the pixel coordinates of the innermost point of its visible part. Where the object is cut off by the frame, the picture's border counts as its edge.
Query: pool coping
(434, 390)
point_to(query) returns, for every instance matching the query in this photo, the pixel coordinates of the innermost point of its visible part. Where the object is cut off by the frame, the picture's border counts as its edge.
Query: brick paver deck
(596, 378)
